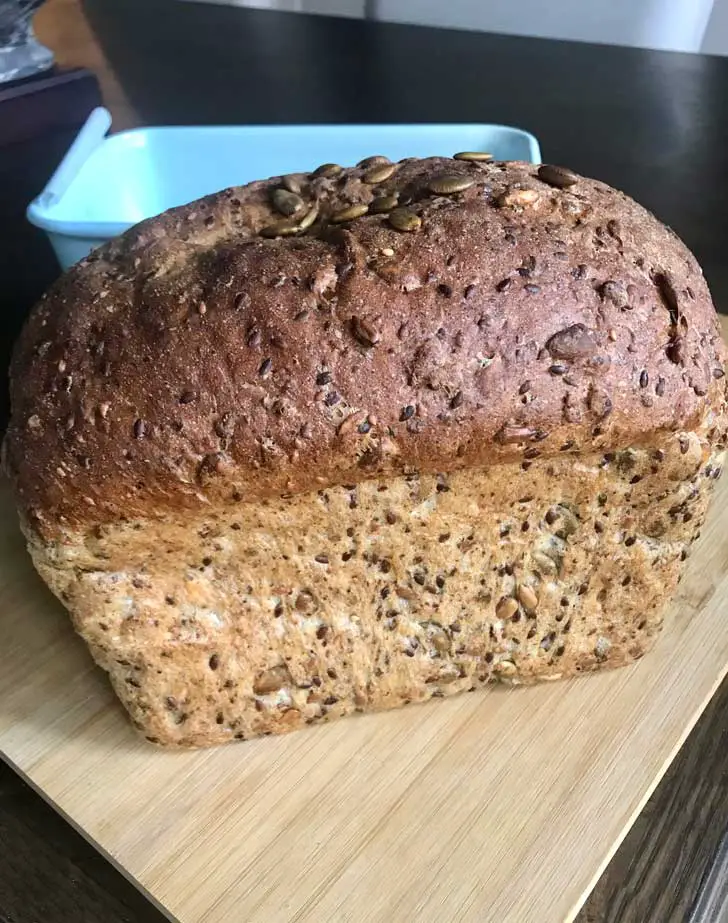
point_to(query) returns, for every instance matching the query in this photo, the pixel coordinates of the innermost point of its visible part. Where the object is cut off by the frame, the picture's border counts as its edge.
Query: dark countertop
(653, 123)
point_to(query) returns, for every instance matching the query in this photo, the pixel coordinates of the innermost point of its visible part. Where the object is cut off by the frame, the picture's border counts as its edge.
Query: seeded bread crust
(279, 479)
(192, 361)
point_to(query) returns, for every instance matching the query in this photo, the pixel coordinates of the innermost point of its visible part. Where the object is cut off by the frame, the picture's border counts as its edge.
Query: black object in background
(39, 118)
(652, 123)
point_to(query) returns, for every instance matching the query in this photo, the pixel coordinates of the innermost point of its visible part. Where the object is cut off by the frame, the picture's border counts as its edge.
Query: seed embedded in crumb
(518, 198)
(505, 668)
(305, 602)
(272, 680)
(527, 597)
(506, 608)
(365, 332)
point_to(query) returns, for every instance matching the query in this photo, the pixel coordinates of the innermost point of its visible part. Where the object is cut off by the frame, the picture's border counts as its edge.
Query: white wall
(676, 25)
(351, 8)
(715, 40)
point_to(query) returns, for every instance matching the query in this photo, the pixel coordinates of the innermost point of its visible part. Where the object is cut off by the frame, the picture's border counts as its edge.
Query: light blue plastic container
(105, 185)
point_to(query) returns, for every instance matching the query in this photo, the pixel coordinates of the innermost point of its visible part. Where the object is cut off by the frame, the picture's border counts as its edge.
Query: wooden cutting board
(503, 805)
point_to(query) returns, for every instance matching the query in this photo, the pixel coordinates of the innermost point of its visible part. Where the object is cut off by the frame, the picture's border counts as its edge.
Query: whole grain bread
(192, 357)
(285, 467)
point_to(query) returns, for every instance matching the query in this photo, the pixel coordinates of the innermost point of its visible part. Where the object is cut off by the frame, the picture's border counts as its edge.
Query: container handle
(86, 141)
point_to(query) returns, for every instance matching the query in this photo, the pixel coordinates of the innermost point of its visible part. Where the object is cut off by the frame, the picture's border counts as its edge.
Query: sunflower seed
(573, 342)
(527, 597)
(375, 161)
(509, 434)
(437, 637)
(287, 203)
(272, 680)
(404, 219)
(327, 170)
(379, 174)
(450, 183)
(349, 213)
(544, 563)
(506, 608)
(366, 333)
(384, 203)
(475, 156)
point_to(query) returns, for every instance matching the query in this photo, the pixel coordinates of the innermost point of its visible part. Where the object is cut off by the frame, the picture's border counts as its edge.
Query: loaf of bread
(342, 441)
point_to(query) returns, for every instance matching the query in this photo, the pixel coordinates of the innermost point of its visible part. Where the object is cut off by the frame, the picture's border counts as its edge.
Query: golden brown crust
(193, 361)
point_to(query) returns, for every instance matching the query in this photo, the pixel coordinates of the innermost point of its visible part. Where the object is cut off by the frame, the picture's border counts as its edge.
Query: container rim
(38, 217)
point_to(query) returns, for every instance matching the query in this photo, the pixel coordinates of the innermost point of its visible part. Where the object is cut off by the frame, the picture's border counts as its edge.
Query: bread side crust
(264, 617)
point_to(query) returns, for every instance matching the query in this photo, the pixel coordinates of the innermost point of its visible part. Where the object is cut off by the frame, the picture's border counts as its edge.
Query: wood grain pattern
(501, 806)
(667, 861)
